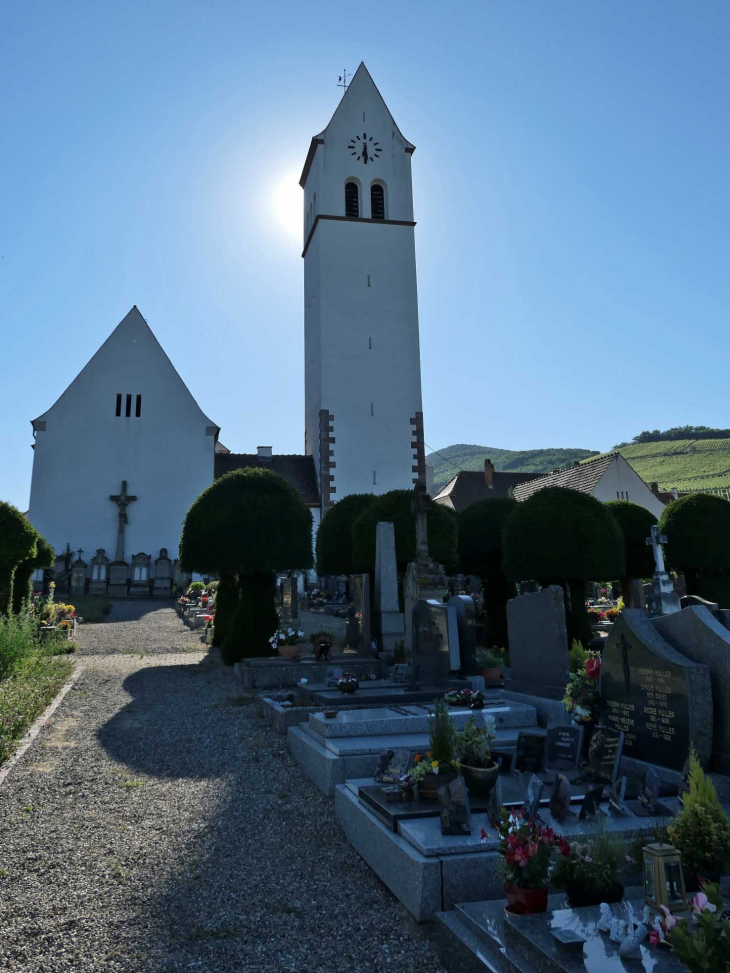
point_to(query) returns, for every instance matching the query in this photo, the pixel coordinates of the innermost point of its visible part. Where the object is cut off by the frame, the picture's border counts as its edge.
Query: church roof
(361, 77)
(583, 477)
(469, 486)
(295, 469)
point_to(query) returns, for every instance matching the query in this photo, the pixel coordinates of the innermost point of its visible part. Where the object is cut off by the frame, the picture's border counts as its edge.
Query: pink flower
(655, 937)
(593, 668)
(701, 904)
(483, 835)
(670, 921)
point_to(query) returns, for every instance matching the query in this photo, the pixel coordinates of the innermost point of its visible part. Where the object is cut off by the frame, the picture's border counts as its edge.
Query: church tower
(364, 419)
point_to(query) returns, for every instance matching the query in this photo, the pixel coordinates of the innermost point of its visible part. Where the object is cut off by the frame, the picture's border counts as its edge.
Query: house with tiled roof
(469, 486)
(607, 477)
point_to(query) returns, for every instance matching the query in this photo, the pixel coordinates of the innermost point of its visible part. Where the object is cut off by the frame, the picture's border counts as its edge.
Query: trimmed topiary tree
(561, 536)
(334, 537)
(480, 553)
(248, 524)
(44, 557)
(698, 544)
(17, 543)
(635, 523)
(395, 506)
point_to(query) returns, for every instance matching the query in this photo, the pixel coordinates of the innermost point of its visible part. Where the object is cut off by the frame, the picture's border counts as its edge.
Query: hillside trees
(246, 526)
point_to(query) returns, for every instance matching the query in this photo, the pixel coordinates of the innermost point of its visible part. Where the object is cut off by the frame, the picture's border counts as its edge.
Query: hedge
(334, 537)
(17, 543)
(698, 544)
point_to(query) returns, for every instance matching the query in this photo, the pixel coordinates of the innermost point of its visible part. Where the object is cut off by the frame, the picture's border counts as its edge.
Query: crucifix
(122, 500)
(656, 540)
(80, 552)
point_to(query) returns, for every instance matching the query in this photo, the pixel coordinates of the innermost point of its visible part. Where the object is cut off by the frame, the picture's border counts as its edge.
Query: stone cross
(656, 540)
(80, 552)
(419, 506)
(122, 500)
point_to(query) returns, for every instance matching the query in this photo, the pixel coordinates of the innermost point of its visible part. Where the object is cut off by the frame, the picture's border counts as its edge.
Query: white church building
(125, 450)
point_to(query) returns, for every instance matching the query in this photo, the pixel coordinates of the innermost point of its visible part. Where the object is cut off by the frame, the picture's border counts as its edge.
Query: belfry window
(352, 200)
(377, 201)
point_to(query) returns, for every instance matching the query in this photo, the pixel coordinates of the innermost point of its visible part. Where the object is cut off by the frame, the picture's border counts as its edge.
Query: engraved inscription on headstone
(604, 754)
(392, 765)
(563, 747)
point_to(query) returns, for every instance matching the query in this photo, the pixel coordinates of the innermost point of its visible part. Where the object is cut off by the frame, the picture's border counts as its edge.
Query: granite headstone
(390, 623)
(358, 620)
(437, 639)
(563, 745)
(455, 810)
(466, 615)
(538, 643)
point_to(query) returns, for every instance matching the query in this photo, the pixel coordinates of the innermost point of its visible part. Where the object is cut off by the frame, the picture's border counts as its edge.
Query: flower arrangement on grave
(596, 615)
(590, 870)
(473, 750)
(289, 637)
(702, 940)
(489, 663)
(348, 682)
(527, 852)
(581, 693)
(474, 699)
(701, 830)
(209, 620)
(195, 589)
(322, 642)
(438, 766)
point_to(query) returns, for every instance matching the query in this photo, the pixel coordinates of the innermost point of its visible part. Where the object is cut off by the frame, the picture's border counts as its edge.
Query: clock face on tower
(364, 148)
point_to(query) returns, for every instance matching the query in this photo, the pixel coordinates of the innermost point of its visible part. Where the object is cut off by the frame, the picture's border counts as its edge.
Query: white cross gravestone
(664, 600)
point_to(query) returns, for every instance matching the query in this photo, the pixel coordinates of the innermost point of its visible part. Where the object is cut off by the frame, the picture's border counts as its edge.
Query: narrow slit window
(119, 403)
(377, 202)
(128, 409)
(352, 200)
(375, 479)
(138, 406)
(370, 344)
(372, 408)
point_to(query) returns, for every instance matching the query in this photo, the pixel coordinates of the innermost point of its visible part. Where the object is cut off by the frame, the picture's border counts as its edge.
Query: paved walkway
(157, 824)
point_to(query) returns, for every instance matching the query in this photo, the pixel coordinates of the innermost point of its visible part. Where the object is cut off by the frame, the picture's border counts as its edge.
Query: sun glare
(287, 203)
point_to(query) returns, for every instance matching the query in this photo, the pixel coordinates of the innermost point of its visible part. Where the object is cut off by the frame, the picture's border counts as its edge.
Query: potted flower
(474, 699)
(348, 683)
(322, 642)
(581, 694)
(489, 664)
(473, 751)
(589, 871)
(439, 765)
(701, 830)
(527, 850)
(287, 643)
(702, 940)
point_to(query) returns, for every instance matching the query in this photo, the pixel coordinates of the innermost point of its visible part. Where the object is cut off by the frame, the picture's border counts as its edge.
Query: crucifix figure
(656, 540)
(419, 507)
(122, 500)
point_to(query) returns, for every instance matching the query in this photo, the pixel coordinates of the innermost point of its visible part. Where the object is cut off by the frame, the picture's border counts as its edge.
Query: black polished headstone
(530, 752)
(434, 635)
(563, 745)
(659, 699)
(455, 813)
(466, 615)
(604, 754)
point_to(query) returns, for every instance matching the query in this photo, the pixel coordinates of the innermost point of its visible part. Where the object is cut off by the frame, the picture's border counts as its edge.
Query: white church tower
(364, 419)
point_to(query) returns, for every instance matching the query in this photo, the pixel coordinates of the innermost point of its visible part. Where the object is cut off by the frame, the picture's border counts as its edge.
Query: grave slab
(412, 719)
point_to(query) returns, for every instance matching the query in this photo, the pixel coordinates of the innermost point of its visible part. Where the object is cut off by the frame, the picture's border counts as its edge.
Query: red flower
(593, 668)
(483, 835)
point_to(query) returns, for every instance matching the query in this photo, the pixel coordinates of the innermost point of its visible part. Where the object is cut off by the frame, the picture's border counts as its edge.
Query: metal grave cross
(122, 500)
(656, 540)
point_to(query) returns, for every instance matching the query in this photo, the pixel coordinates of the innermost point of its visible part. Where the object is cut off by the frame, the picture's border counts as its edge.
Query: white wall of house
(362, 354)
(621, 482)
(83, 450)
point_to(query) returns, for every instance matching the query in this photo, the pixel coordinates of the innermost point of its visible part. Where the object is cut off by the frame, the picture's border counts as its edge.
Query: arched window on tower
(377, 201)
(352, 200)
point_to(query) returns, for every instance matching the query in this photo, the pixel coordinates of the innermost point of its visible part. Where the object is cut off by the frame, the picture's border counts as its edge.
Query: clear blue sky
(571, 192)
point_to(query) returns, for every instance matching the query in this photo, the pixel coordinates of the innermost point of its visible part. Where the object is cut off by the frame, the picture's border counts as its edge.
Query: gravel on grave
(158, 824)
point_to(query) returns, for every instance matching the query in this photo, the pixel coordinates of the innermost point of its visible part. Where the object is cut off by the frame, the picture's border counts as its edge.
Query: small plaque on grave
(530, 752)
(563, 747)
(456, 813)
(560, 798)
(617, 794)
(648, 806)
(590, 806)
(532, 798)
(392, 765)
(604, 754)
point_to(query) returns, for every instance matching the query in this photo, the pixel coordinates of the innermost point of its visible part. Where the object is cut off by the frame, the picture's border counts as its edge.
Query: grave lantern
(664, 877)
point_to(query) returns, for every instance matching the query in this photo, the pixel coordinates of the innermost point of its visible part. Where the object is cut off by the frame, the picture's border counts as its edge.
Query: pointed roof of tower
(360, 79)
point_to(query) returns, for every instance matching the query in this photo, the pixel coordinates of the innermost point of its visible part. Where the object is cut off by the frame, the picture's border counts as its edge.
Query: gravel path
(158, 824)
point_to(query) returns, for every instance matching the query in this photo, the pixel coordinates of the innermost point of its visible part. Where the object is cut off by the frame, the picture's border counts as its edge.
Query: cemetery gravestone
(389, 619)
(560, 798)
(118, 571)
(162, 587)
(78, 575)
(99, 573)
(436, 639)
(289, 602)
(563, 747)
(604, 754)
(456, 813)
(659, 699)
(140, 587)
(392, 765)
(530, 752)
(697, 635)
(358, 620)
(590, 807)
(533, 796)
(466, 615)
(538, 643)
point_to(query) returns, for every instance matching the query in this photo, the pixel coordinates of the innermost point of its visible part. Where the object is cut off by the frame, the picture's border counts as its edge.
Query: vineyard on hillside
(690, 465)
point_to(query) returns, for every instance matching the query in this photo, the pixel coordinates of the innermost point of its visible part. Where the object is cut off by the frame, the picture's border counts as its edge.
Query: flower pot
(579, 896)
(492, 675)
(289, 651)
(525, 902)
(429, 785)
(480, 781)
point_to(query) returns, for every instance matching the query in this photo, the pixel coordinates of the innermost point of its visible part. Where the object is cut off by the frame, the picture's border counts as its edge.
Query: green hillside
(464, 457)
(687, 464)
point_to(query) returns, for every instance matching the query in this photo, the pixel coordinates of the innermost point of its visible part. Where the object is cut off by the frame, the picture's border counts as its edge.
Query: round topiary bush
(250, 523)
(44, 557)
(635, 523)
(480, 553)
(334, 537)
(395, 506)
(561, 536)
(17, 543)
(698, 544)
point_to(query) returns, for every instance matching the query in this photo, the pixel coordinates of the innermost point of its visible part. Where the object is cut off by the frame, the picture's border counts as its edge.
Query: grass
(688, 464)
(25, 693)
(92, 610)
